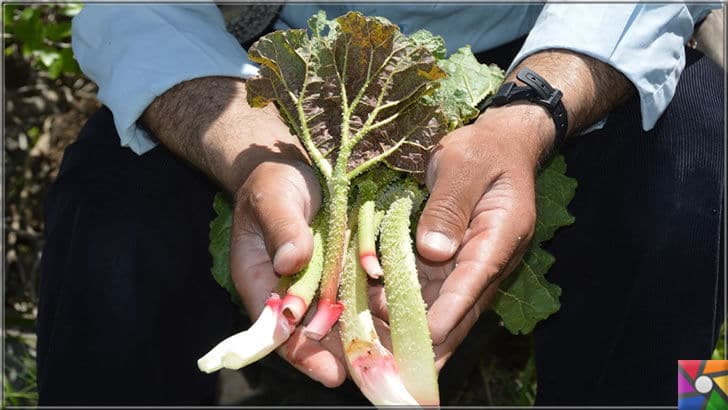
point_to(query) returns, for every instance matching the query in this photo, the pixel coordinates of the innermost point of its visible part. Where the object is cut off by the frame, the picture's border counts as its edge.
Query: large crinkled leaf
(359, 88)
(220, 245)
(526, 297)
(283, 72)
(434, 44)
(468, 83)
(554, 191)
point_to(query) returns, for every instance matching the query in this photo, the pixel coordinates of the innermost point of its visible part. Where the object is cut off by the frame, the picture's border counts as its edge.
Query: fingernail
(439, 242)
(284, 251)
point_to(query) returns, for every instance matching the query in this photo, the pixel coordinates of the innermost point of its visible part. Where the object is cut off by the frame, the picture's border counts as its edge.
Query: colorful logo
(702, 384)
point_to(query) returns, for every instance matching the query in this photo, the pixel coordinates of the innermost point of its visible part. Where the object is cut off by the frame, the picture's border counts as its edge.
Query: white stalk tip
(267, 333)
(374, 370)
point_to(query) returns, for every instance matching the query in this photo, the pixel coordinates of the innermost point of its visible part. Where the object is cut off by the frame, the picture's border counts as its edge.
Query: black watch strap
(536, 90)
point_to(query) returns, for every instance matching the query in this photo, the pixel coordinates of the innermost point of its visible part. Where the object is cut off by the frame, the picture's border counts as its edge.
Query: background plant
(46, 102)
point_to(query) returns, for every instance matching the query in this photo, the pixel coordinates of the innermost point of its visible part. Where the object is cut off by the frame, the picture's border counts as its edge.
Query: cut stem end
(293, 308)
(327, 313)
(370, 263)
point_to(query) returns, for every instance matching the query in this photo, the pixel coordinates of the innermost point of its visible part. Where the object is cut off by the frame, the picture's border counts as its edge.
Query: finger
(312, 359)
(456, 186)
(284, 197)
(378, 301)
(250, 267)
(430, 291)
(498, 240)
(445, 350)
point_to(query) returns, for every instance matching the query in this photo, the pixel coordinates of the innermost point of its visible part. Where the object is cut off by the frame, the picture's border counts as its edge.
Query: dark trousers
(128, 303)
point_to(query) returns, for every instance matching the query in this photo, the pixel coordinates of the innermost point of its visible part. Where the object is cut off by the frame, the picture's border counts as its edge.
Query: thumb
(454, 193)
(284, 198)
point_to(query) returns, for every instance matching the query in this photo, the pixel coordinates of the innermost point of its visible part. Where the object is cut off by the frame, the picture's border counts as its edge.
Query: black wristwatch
(536, 90)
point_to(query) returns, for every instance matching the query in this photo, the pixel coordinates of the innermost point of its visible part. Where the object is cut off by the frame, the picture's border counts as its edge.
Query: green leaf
(434, 44)
(29, 13)
(33, 134)
(69, 63)
(468, 83)
(29, 29)
(8, 17)
(71, 9)
(361, 86)
(47, 55)
(58, 31)
(55, 69)
(526, 297)
(554, 191)
(220, 245)
(318, 24)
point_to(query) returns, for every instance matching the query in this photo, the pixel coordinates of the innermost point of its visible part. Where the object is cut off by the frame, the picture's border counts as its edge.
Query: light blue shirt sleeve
(135, 52)
(643, 41)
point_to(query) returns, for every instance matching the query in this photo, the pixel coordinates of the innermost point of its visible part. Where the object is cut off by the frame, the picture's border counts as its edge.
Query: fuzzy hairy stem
(367, 240)
(302, 287)
(411, 340)
(329, 309)
(336, 238)
(370, 364)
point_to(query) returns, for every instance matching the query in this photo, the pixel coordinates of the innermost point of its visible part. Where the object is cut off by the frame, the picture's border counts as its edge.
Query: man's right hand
(271, 237)
(251, 153)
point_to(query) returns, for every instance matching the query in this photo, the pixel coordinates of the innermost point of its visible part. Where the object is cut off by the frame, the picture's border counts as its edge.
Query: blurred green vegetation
(19, 372)
(42, 35)
(719, 352)
(44, 94)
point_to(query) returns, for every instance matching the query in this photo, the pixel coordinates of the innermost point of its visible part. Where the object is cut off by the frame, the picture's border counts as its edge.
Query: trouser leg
(127, 302)
(639, 268)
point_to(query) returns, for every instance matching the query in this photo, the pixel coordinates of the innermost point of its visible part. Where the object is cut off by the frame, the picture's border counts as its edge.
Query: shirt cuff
(645, 42)
(135, 53)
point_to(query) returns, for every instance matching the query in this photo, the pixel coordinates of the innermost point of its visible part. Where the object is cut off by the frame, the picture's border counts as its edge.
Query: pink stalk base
(375, 371)
(293, 307)
(327, 313)
(370, 263)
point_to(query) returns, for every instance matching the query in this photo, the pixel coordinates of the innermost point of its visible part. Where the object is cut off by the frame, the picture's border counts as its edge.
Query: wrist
(208, 122)
(243, 138)
(529, 124)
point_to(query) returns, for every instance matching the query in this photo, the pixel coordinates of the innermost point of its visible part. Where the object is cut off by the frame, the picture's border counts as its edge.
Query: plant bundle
(369, 103)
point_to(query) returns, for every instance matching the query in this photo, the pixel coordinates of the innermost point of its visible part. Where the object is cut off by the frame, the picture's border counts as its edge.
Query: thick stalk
(411, 340)
(329, 309)
(303, 286)
(279, 317)
(370, 364)
(367, 240)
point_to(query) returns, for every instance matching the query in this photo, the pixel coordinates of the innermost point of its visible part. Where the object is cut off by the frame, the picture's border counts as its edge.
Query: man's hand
(271, 237)
(481, 212)
(252, 155)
